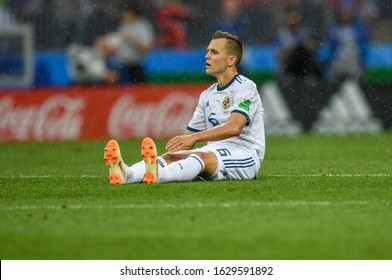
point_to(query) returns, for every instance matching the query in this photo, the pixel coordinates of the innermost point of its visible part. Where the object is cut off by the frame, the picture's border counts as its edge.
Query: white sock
(182, 170)
(135, 173)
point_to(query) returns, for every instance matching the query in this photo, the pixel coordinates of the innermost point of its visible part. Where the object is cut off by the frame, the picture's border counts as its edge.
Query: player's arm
(230, 129)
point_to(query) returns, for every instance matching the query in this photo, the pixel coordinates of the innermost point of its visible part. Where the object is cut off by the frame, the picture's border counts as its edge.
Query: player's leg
(181, 166)
(236, 164)
(229, 163)
(207, 156)
(208, 159)
(211, 163)
(135, 173)
(183, 170)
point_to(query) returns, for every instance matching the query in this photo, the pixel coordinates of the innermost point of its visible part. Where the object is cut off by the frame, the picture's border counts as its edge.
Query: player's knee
(171, 157)
(209, 158)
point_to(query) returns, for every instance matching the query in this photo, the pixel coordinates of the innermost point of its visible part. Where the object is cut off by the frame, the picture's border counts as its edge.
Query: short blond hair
(233, 44)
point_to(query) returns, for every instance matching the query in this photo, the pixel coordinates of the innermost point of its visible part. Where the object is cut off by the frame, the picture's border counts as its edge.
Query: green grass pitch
(317, 197)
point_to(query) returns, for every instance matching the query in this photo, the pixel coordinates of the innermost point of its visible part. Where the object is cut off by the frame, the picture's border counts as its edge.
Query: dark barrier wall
(380, 99)
(344, 101)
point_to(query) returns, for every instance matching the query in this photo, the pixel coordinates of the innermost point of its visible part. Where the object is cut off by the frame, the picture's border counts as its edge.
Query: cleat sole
(113, 160)
(115, 179)
(149, 178)
(149, 155)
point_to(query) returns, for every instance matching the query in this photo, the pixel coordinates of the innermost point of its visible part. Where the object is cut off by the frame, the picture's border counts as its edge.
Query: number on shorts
(224, 152)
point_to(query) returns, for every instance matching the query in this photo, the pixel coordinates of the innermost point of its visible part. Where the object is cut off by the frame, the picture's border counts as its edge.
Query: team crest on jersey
(226, 102)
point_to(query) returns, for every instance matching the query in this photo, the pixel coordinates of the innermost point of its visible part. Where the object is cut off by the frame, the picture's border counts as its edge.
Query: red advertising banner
(46, 114)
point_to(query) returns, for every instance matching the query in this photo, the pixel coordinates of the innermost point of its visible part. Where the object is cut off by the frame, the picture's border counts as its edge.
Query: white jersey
(216, 104)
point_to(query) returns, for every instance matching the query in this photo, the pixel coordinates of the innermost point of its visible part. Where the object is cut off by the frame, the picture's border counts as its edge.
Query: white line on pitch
(328, 175)
(230, 204)
(262, 175)
(48, 176)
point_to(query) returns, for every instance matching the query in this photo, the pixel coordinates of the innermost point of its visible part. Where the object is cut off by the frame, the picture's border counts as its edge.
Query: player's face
(217, 59)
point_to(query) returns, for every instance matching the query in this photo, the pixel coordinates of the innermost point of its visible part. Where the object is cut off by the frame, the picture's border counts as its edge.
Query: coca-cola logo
(168, 117)
(58, 117)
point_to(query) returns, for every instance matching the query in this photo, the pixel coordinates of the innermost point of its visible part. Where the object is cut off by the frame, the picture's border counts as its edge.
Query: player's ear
(232, 60)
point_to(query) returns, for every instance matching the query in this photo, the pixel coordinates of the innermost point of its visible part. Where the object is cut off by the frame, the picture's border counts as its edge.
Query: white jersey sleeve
(198, 121)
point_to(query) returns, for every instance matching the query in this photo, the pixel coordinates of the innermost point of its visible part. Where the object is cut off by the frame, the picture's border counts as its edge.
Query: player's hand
(182, 142)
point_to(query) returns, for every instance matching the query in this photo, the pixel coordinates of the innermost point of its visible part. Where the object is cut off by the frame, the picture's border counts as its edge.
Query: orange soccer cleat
(114, 161)
(149, 155)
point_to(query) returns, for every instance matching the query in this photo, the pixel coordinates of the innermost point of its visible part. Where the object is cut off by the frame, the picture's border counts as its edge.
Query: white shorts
(233, 163)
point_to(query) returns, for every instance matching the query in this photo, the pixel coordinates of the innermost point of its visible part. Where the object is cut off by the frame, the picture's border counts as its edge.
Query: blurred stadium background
(42, 99)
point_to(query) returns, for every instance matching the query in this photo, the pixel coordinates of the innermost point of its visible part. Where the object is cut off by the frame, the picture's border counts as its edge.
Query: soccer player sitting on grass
(229, 117)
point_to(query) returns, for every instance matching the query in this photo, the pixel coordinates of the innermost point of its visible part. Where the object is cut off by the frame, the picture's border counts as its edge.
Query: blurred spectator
(232, 19)
(64, 23)
(369, 10)
(290, 36)
(313, 16)
(171, 26)
(128, 46)
(263, 14)
(369, 13)
(57, 22)
(88, 66)
(26, 10)
(348, 42)
(116, 57)
(103, 19)
(302, 65)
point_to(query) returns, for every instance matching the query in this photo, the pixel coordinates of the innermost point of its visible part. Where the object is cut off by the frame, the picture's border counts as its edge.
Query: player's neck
(225, 78)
